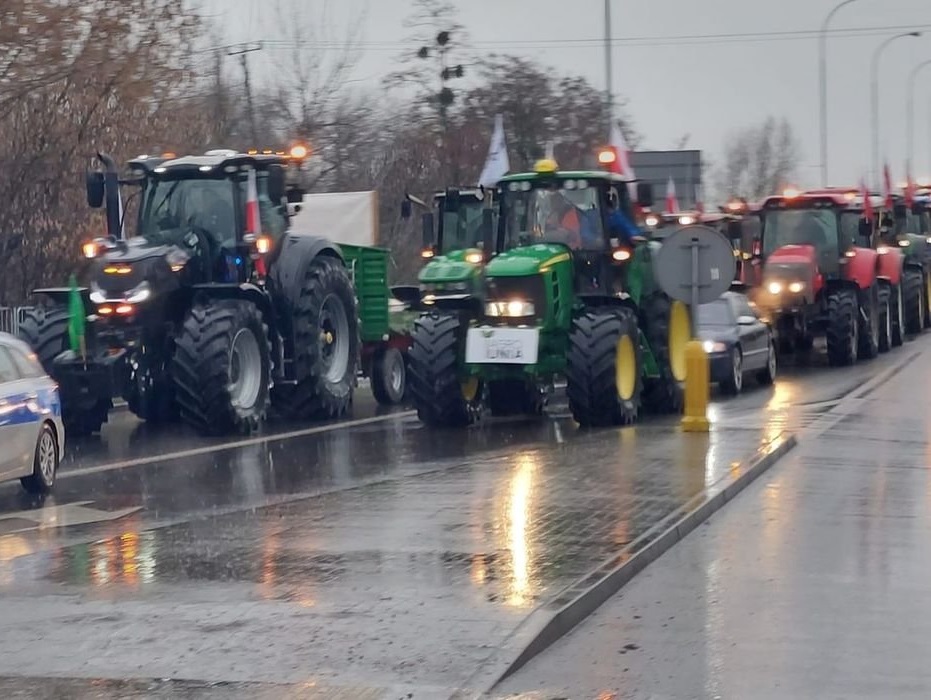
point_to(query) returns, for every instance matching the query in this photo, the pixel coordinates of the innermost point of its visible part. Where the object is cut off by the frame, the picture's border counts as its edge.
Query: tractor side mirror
(94, 183)
(426, 222)
(276, 183)
(488, 232)
(406, 208)
(644, 194)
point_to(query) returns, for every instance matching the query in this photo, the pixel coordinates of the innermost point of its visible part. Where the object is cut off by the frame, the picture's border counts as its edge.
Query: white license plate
(510, 346)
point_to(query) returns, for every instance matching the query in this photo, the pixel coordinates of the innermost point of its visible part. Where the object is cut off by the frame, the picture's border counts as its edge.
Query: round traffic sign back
(676, 273)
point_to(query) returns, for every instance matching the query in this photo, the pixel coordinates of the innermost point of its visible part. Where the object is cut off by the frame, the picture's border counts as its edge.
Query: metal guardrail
(11, 317)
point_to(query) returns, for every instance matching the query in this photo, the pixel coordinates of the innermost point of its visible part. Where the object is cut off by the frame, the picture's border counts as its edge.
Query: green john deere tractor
(215, 309)
(566, 295)
(911, 233)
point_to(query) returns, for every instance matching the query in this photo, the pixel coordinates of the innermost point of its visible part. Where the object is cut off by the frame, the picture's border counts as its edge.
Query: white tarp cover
(342, 217)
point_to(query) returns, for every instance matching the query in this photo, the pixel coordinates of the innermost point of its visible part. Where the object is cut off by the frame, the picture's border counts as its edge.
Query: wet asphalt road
(377, 554)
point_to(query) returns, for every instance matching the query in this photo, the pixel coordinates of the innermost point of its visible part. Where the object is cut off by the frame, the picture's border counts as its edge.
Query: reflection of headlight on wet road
(711, 346)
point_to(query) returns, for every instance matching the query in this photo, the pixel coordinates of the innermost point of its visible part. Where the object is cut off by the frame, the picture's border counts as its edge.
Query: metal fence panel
(11, 317)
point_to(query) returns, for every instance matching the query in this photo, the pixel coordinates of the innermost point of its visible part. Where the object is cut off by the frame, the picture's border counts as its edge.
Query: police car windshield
(562, 212)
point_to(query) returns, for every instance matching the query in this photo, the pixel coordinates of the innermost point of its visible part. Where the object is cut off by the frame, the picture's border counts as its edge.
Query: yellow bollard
(697, 388)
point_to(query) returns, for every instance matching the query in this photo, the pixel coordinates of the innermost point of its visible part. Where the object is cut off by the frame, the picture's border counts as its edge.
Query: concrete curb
(544, 626)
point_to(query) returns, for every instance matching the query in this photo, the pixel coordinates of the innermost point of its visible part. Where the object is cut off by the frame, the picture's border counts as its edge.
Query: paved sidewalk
(813, 583)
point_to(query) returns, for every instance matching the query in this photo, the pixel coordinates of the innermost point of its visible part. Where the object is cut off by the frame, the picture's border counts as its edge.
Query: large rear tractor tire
(326, 345)
(45, 330)
(389, 377)
(222, 368)
(842, 332)
(913, 294)
(668, 329)
(605, 368)
(510, 397)
(442, 398)
(868, 317)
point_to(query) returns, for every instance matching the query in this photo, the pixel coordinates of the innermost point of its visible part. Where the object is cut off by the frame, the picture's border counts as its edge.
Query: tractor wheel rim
(47, 457)
(469, 389)
(680, 332)
(245, 370)
(738, 371)
(625, 368)
(334, 339)
(396, 376)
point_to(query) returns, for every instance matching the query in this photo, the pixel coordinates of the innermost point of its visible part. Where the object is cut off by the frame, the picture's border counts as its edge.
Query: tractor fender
(861, 267)
(889, 265)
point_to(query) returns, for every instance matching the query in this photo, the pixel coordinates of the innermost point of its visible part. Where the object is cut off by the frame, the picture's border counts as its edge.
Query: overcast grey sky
(702, 87)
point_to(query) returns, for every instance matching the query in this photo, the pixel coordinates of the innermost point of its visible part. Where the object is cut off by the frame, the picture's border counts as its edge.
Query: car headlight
(774, 287)
(139, 293)
(515, 308)
(710, 346)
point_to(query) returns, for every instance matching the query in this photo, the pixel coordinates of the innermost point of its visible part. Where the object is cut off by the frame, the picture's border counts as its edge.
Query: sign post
(696, 266)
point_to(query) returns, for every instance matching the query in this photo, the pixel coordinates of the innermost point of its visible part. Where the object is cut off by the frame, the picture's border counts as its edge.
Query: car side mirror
(644, 194)
(94, 183)
(276, 183)
(746, 320)
(426, 222)
(406, 208)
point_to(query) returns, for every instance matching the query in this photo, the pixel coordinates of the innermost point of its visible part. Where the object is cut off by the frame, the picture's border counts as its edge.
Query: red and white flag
(253, 222)
(621, 163)
(887, 187)
(867, 202)
(909, 188)
(672, 202)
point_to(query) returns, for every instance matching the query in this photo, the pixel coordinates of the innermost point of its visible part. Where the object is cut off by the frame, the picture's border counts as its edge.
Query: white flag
(497, 164)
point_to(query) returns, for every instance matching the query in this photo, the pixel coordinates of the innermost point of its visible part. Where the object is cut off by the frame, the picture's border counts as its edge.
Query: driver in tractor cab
(619, 225)
(564, 219)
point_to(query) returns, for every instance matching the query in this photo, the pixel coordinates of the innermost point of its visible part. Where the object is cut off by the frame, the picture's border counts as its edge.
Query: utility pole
(243, 51)
(445, 95)
(609, 78)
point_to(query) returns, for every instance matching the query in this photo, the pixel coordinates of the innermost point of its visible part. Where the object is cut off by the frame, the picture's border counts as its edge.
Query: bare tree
(759, 160)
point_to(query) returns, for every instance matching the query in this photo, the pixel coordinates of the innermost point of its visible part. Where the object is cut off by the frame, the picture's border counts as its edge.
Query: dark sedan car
(737, 342)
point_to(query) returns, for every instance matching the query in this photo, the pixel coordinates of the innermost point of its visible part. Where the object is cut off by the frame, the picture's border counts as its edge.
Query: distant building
(684, 167)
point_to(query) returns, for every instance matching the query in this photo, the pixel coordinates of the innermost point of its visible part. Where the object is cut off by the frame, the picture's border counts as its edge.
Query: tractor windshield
(462, 228)
(174, 209)
(815, 227)
(566, 212)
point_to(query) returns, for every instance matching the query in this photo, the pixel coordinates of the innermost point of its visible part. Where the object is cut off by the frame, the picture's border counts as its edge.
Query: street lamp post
(609, 78)
(823, 65)
(910, 113)
(874, 92)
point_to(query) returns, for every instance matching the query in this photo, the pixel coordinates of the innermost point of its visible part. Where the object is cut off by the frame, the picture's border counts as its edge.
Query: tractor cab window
(462, 228)
(173, 210)
(815, 227)
(565, 211)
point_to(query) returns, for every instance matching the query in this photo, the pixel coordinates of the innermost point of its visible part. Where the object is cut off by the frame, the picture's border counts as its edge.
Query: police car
(32, 436)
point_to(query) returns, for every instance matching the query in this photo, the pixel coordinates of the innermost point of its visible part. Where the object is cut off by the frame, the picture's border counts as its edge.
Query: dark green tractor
(214, 310)
(911, 231)
(566, 296)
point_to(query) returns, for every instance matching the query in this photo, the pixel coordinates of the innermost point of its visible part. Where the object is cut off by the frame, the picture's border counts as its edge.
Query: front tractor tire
(605, 368)
(326, 345)
(869, 317)
(443, 399)
(45, 330)
(913, 300)
(222, 368)
(668, 329)
(842, 332)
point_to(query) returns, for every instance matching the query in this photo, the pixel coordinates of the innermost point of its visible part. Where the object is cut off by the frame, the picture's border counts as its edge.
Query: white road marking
(245, 442)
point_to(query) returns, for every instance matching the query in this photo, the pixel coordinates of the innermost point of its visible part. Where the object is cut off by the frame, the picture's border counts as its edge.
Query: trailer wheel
(842, 332)
(668, 329)
(222, 368)
(45, 330)
(441, 396)
(326, 345)
(913, 293)
(605, 368)
(389, 377)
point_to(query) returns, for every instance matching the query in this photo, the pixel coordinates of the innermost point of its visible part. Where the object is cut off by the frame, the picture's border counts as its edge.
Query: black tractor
(213, 310)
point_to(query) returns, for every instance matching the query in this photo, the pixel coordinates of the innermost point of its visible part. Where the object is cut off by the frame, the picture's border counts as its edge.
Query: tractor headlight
(514, 308)
(139, 293)
(796, 287)
(774, 287)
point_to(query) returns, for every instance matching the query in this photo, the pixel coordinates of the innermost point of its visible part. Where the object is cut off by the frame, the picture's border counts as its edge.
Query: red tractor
(822, 276)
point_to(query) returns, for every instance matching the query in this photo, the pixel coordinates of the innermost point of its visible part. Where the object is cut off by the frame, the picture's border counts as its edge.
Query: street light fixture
(823, 63)
(874, 90)
(910, 112)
